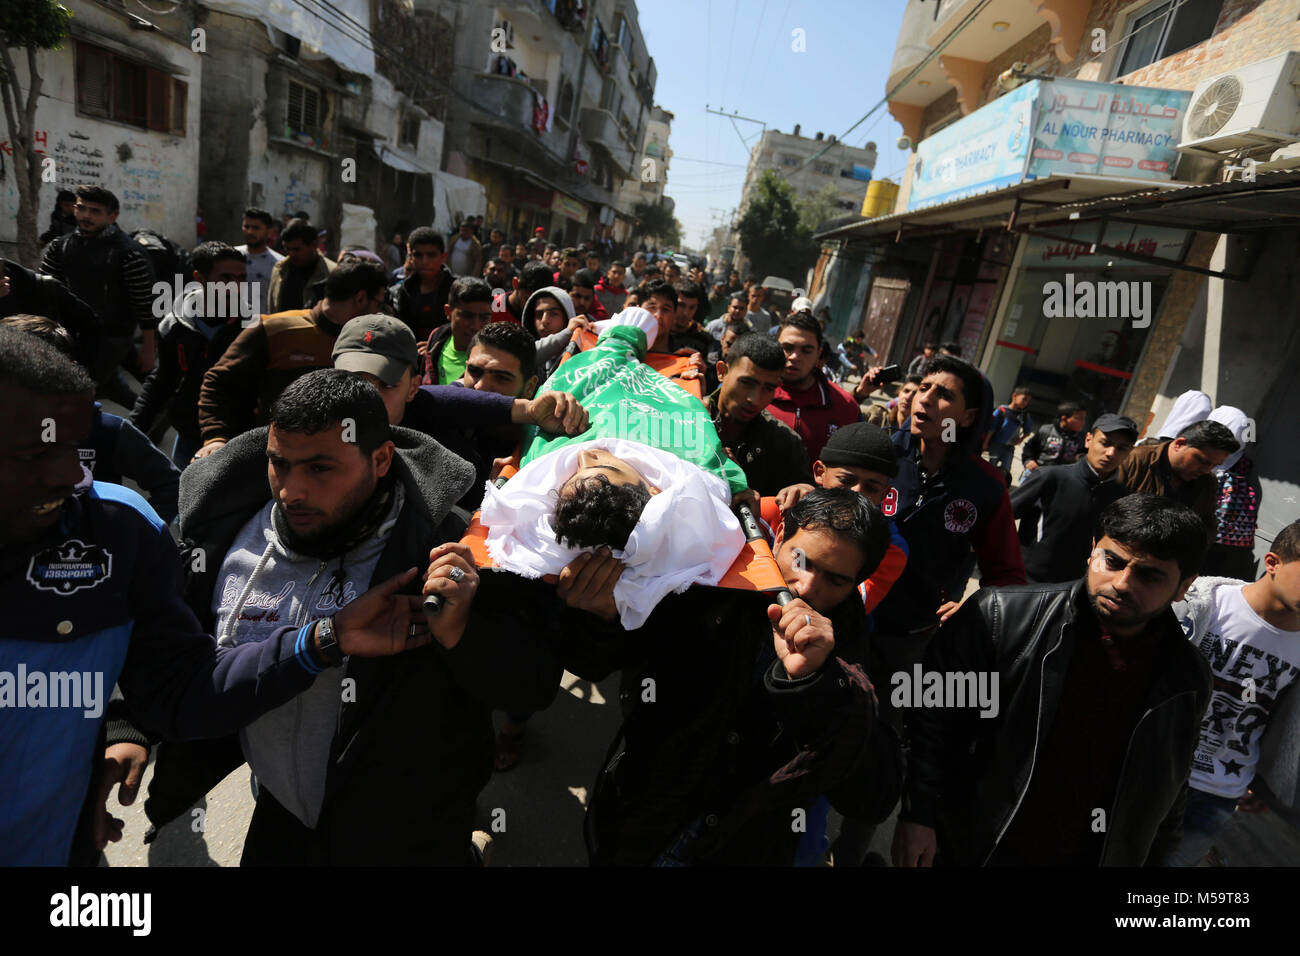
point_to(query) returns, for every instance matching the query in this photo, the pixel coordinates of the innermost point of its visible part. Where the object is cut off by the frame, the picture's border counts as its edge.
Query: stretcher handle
(749, 525)
(433, 602)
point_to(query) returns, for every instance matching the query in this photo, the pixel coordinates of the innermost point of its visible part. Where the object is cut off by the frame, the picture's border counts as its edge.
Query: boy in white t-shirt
(1250, 635)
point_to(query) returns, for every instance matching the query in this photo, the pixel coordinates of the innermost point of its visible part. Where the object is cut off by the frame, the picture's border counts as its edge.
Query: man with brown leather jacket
(1087, 762)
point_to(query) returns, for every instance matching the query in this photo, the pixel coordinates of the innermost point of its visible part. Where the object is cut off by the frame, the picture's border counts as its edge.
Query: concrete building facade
(549, 112)
(1226, 319)
(847, 168)
(119, 108)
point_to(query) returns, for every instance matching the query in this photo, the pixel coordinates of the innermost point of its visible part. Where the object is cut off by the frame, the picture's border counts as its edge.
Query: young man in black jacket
(1072, 499)
(1080, 752)
(378, 764)
(189, 344)
(739, 723)
(769, 451)
(102, 266)
(420, 298)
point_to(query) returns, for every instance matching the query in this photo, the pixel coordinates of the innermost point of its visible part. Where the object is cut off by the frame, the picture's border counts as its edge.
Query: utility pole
(733, 116)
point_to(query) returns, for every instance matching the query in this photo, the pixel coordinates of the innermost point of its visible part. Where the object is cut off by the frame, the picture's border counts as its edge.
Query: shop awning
(391, 157)
(998, 209)
(1046, 206)
(1272, 200)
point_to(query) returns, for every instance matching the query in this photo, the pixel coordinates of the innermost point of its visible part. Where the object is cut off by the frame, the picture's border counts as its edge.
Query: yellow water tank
(879, 201)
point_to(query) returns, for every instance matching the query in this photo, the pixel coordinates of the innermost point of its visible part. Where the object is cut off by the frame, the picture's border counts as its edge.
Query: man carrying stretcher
(742, 712)
(648, 480)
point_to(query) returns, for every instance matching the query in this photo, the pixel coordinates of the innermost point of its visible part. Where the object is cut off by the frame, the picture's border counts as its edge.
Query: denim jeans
(1205, 818)
(813, 843)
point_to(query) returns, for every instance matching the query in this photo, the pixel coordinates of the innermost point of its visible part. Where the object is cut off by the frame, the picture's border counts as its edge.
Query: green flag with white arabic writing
(627, 399)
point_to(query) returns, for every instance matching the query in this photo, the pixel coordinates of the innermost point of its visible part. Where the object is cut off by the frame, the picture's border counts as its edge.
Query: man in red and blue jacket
(946, 501)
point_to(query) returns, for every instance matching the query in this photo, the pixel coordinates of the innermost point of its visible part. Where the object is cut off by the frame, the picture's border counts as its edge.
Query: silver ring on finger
(457, 575)
(410, 631)
(807, 619)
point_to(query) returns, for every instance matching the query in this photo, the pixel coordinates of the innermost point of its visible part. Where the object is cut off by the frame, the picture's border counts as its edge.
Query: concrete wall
(151, 173)
(1241, 345)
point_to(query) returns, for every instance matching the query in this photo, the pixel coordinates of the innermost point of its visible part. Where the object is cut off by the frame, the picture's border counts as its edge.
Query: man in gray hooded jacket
(374, 764)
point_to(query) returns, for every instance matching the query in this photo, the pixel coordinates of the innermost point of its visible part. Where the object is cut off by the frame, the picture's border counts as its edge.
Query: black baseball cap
(861, 445)
(1111, 422)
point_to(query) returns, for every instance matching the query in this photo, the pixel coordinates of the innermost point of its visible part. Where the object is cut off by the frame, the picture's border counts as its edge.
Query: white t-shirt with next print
(1253, 663)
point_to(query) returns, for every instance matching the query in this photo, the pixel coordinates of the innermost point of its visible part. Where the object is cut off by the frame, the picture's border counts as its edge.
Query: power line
(966, 21)
(749, 61)
(731, 42)
(710, 162)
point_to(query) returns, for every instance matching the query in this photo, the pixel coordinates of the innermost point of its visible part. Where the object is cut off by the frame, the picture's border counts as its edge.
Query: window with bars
(302, 114)
(113, 87)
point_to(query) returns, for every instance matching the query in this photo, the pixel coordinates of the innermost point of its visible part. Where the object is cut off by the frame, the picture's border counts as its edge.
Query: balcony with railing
(601, 130)
(510, 103)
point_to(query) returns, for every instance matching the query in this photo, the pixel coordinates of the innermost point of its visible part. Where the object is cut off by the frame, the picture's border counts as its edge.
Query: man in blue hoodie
(90, 582)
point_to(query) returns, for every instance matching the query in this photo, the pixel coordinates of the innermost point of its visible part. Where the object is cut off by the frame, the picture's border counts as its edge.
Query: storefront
(1075, 324)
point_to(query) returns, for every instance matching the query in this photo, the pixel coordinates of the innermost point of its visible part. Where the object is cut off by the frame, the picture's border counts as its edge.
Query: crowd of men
(1093, 702)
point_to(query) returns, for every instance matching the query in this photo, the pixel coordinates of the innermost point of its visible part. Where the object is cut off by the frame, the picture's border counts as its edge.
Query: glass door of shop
(1089, 359)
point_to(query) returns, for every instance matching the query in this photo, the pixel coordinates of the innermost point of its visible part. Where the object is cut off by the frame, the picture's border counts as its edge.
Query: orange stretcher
(755, 569)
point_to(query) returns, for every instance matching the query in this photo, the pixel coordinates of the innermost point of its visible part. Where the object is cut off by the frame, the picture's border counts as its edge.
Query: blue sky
(737, 55)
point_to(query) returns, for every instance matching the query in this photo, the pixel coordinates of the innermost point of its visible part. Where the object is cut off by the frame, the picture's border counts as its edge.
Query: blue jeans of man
(1204, 819)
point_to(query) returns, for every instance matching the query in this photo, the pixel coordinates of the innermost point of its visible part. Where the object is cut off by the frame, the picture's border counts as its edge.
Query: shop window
(1164, 28)
(113, 87)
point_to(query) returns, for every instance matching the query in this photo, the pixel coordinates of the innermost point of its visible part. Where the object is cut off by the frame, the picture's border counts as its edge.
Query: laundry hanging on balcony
(542, 117)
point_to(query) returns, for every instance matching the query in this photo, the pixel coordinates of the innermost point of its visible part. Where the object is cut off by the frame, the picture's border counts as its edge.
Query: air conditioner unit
(1254, 105)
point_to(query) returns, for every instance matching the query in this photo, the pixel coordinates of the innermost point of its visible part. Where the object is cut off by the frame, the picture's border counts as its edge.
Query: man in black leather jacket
(1086, 761)
(743, 712)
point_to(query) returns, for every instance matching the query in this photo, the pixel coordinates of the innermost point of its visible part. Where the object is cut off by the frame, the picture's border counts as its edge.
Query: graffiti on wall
(150, 180)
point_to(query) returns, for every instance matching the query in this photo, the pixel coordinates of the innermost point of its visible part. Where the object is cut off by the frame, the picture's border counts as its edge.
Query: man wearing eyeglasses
(264, 358)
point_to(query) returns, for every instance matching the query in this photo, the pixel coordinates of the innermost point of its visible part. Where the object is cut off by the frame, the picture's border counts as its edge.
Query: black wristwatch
(327, 642)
